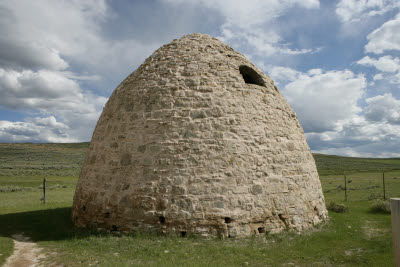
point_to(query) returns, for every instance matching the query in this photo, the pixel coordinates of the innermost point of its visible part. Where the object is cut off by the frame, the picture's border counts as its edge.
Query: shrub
(380, 205)
(340, 187)
(336, 207)
(374, 196)
(11, 188)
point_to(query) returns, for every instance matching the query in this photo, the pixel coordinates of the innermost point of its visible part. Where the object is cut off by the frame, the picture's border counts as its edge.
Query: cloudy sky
(336, 62)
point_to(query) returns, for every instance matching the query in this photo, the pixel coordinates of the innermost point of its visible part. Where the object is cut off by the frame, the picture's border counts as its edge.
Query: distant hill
(329, 164)
(31, 159)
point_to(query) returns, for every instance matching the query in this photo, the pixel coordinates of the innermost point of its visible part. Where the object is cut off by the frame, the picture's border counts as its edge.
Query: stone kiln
(198, 140)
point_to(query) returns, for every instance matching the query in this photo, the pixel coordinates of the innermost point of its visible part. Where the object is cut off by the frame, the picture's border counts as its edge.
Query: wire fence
(361, 186)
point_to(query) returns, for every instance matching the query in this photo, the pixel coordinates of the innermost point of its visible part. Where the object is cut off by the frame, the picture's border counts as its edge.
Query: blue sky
(336, 62)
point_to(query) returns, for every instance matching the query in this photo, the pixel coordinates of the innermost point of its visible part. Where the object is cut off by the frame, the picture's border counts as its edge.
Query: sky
(336, 62)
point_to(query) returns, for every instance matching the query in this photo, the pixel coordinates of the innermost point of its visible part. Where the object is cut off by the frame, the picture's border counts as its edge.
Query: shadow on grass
(42, 225)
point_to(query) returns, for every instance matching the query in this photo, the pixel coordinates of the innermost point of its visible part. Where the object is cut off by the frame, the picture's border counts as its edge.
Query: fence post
(395, 210)
(384, 187)
(345, 186)
(44, 190)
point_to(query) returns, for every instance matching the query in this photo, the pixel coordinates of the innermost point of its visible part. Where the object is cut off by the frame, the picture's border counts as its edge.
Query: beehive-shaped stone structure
(198, 140)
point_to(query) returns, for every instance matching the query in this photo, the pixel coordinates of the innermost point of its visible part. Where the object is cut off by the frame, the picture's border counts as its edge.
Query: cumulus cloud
(43, 90)
(39, 42)
(385, 38)
(251, 22)
(342, 126)
(35, 129)
(279, 73)
(34, 42)
(356, 10)
(385, 63)
(50, 93)
(383, 108)
(66, 33)
(333, 95)
(378, 77)
(388, 65)
(359, 137)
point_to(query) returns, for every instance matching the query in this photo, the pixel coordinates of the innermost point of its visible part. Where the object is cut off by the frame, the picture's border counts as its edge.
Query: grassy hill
(329, 164)
(66, 160)
(42, 159)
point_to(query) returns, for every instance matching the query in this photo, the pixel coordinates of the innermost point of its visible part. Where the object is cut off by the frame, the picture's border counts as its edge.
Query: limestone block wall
(198, 140)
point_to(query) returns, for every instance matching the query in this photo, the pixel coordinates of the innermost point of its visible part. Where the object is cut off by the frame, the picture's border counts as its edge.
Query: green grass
(41, 159)
(329, 164)
(358, 237)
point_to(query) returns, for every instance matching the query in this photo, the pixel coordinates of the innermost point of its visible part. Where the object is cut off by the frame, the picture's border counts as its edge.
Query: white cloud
(385, 38)
(279, 73)
(39, 42)
(314, 72)
(383, 108)
(35, 41)
(35, 130)
(53, 35)
(51, 93)
(378, 77)
(343, 151)
(359, 138)
(251, 22)
(390, 66)
(385, 63)
(42, 90)
(47, 122)
(357, 10)
(333, 95)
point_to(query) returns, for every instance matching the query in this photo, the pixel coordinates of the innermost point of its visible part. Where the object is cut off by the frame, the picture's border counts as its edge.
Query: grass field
(358, 237)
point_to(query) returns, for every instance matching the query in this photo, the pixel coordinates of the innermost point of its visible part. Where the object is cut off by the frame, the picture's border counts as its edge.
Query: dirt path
(26, 253)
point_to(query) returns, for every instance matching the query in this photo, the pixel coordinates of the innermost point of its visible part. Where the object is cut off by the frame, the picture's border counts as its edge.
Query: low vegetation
(380, 206)
(336, 207)
(361, 236)
(336, 165)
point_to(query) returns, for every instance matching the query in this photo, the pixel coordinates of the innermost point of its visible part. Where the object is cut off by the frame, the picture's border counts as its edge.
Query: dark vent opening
(183, 233)
(227, 220)
(161, 219)
(114, 227)
(282, 219)
(261, 230)
(107, 215)
(251, 76)
(84, 208)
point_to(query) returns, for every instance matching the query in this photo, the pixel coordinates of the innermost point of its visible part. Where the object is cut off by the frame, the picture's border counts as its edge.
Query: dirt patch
(371, 230)
(26, 252)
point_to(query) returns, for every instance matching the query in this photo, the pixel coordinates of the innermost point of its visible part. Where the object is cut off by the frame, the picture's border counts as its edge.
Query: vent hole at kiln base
(107, 215)
(161, 219)
(251, 76)
(84, 208)
(282, 219)
(261, 230)
(114, 227)
(227, 220)
(183, 233)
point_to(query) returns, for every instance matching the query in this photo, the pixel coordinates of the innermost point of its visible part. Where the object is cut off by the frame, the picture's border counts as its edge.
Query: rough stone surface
(187, 144)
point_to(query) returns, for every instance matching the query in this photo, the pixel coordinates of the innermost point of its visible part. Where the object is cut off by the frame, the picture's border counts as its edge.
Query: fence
(361, 186)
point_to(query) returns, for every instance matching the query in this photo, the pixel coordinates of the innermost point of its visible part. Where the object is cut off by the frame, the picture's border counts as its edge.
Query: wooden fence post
(395, 209)
(384, 188)
(44, 190)
(345, 186)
